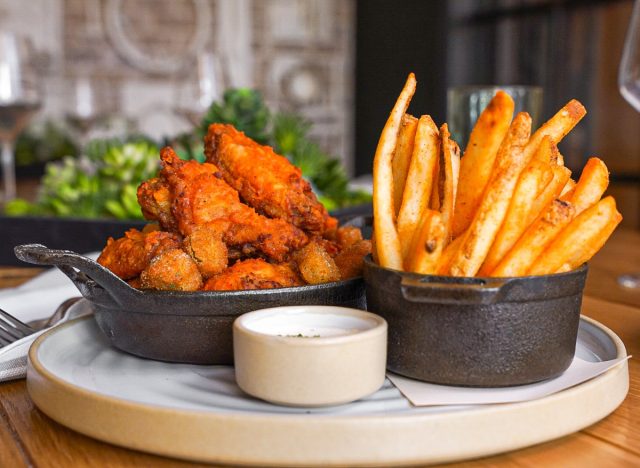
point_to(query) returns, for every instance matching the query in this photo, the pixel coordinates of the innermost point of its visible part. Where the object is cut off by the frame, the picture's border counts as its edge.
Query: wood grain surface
(30, 438)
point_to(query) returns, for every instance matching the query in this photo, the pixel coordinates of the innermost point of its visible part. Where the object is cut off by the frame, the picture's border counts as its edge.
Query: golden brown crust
(254, 274)
(128, 256)
(265, 180)
(172, 270)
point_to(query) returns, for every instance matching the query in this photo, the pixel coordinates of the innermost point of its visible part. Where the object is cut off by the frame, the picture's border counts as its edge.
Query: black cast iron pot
(188, 327)
(487, 332)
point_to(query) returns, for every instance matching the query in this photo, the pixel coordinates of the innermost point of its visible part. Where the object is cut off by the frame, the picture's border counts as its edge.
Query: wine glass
(19, 100)
(88, 102)
(205, 85)
(629, 84)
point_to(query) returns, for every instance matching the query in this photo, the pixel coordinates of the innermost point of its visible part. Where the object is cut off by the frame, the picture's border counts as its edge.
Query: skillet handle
(476, 291)
(94, 281)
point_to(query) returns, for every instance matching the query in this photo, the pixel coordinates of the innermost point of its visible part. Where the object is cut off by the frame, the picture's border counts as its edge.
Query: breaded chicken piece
(265, 180)
(346, 236)
(128, 256)
(199, 196)
(316, 265)
(172, 270)
(254, 274)
(206, 247)
(154, 197)
(350, 261)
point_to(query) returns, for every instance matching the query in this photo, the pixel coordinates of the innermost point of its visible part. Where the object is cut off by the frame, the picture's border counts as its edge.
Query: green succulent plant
(103, 183)
(245, 109)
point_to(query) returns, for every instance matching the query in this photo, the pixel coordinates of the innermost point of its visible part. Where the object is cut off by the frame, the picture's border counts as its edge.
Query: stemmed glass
(205, 84)
(629, 84)
(88, 103)
(19, 100)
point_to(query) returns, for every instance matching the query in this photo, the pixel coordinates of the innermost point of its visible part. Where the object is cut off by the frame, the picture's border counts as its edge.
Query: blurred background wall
(341, 63)
(142, 53)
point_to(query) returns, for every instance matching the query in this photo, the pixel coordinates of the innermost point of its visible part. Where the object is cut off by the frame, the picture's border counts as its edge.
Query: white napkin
(39, 297)
(36, 299)
(426, 394)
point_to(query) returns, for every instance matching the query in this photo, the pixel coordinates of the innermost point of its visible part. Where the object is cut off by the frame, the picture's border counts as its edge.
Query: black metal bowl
(487, 332)
(188, 327)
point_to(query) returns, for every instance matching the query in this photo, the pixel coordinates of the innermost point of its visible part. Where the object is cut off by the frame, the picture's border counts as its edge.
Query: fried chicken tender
(316, 265)
(266, 180)
(128, 256)
(199, 196)
(254, 274)
(172, 270)
(350, 261)
(207, 249)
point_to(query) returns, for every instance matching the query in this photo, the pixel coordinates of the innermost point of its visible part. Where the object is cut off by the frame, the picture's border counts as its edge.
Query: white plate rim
(40, 380)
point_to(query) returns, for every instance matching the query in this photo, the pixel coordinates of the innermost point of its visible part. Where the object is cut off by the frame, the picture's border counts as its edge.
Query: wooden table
(29, 438)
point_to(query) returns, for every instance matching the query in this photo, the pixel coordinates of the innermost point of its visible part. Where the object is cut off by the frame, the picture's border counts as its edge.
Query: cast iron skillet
(188, 327)
(488, 332)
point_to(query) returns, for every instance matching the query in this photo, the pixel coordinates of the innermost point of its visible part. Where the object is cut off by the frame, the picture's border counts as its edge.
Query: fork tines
(12, 329)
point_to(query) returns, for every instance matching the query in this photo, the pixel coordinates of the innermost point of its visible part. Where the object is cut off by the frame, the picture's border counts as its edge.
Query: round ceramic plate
(198, 413)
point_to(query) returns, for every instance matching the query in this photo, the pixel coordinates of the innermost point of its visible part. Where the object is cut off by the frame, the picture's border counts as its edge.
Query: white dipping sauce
(307, 324)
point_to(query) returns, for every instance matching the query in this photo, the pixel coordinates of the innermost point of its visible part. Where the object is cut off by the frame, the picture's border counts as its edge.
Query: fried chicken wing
(266, 180)
(198, 195)
(254, 274)
(172, 270)
(128, 256)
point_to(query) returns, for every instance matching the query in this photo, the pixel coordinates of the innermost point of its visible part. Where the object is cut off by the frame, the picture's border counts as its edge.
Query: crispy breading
(129, 255)
(265, 180)
(200, 196)
(254, 274)
(172, 270)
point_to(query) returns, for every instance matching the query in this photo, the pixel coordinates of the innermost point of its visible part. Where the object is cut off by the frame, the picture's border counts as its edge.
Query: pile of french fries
(508, 207)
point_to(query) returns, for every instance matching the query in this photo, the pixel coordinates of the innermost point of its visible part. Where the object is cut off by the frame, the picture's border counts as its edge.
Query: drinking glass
(88, 103)
(629, 84)
(205, 85)
(19, 100)
(466, 103)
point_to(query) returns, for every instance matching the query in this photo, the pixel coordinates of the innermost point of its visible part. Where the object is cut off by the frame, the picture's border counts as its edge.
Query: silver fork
(12, 329)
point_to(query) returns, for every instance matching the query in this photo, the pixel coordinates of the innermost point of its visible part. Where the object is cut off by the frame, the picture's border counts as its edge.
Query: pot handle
(94, 281)
(478, 291)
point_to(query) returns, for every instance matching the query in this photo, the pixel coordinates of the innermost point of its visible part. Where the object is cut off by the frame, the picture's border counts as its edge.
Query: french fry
(492, 210)
(593, 182)
(535, 240)
(386, 234)
(580, 240)
(419, 181)
(444, 262)
(427, 244)
(556, 156)
(557, 126)
(448, 182)
(434, 200)
(552, 191)
(568, 189)
(508, 208)
(532, 182)
(402, 157)
(544, 153)
(478, 159)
